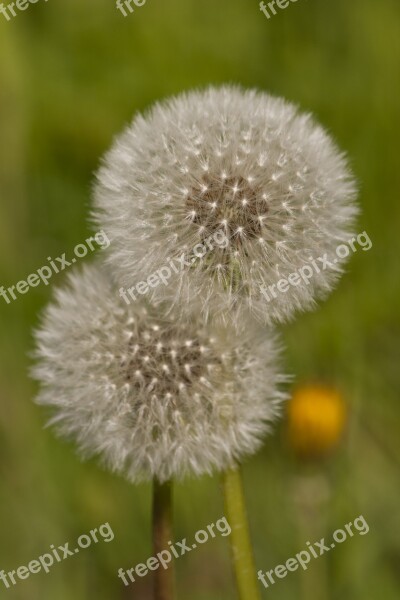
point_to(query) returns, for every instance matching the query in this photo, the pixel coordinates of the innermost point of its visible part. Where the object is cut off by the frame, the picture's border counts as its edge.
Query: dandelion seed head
(151, 396)
(225, 159)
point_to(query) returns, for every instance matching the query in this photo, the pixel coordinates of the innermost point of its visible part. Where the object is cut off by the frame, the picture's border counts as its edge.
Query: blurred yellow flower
(316, 419)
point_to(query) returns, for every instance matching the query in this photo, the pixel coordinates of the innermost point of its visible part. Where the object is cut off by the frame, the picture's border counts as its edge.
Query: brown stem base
(164, 588)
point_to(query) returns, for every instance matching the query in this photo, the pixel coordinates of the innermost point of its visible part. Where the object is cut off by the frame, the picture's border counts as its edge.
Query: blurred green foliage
(71, 76)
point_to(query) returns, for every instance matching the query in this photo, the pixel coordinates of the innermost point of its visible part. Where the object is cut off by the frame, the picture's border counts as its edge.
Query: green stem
(242, 553)
(164, 588)
(311, 494)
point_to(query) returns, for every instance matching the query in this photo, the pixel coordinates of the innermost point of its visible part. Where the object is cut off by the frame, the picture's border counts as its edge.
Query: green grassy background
(71, 76)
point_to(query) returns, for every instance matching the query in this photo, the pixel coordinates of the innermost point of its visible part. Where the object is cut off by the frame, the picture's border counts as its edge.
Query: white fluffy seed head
(232, 160)
(153, 398)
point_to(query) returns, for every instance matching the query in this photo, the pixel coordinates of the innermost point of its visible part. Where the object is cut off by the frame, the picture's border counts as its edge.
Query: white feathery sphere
(241, 162)
(152, 397)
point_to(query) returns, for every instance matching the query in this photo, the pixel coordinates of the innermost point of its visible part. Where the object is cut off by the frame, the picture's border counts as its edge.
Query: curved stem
(242, 553)
(162, 534)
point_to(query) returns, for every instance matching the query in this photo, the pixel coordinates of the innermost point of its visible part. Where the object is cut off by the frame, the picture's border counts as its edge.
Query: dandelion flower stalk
(155, 398)
(244, 163)
(315, 424)
(311, 493)
(241, 548)
(164, 584)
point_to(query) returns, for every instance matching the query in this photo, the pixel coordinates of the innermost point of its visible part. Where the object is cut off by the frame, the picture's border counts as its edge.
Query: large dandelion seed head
(226, 160)
(152, 397)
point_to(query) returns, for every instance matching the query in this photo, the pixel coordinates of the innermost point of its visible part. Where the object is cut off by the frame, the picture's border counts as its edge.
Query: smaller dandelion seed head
(152, 397)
